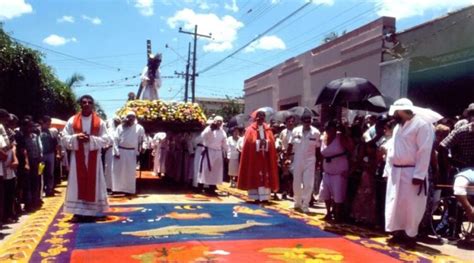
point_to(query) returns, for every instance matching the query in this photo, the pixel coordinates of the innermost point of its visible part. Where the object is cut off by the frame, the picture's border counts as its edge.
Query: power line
(67, 55)
(299, 45)
(101, 57)
(256, 38)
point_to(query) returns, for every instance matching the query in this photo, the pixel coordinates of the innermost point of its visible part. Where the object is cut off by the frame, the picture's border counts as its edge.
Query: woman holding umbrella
(258, 173)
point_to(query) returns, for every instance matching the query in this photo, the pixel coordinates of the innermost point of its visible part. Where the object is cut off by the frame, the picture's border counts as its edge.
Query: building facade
(299, 80)
(433, 63)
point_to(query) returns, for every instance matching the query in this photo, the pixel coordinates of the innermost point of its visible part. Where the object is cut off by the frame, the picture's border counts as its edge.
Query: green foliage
(227, 111)
(30, 87)
(100, 111)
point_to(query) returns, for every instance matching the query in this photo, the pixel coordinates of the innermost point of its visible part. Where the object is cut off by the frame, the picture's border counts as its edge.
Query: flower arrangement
(158, 111)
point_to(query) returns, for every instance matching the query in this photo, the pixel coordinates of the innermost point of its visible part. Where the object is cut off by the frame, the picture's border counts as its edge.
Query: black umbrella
(280, 116)
(377, 103)
(239, 120)
(341, 91)
(298, 111)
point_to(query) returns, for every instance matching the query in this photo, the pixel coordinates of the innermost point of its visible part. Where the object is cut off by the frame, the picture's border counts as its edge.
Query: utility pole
(148, 53)
(186, 83)
(148, 49)
(194, 75)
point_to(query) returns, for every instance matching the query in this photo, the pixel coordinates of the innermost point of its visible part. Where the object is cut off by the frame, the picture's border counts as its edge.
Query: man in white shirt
(406, 170)
(127, 146)
(305, 143)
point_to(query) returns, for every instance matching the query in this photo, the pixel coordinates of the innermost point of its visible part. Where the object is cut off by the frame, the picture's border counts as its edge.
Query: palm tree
(76, 78)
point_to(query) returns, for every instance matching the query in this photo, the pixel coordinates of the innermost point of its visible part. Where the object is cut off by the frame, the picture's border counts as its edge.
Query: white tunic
(127, 141)
(235, 147)
(157, 144)
(72, 204)
(198, 146)
(109, 158)
(405, 205)
(216, 145)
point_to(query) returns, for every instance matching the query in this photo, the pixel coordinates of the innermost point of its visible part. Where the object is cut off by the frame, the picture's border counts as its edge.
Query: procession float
(157, 115)
(162, 116)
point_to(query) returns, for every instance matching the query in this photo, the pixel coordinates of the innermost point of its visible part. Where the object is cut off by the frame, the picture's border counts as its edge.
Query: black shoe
(396, 240)
(76, 219)
(212, 193)
(409, 243)
(328, 217)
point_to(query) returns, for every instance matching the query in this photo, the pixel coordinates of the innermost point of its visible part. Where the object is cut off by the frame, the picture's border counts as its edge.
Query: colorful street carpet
(158, 228)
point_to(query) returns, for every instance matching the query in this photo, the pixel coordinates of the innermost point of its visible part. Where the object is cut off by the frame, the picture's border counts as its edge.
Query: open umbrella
(268, 113)
(57, 123)
(298, 111)
(239, 120)
(281, 116)
(340, 91)
(378, 104)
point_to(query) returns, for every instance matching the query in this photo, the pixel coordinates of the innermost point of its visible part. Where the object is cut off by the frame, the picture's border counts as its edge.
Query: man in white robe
(158, 149)
(109, 155)
(85, 134)
(211, 167)
(128, 141)
(406, 170)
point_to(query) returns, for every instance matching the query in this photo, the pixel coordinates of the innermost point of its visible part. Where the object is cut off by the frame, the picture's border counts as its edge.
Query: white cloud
(274, 2)
(203, 5)
(232, 7)
(323, 2)
(66, 19)
(93, 20)
(224, 29)
(409, 8)
(266, 43)
(13, 8)
(145, 7)
(55, 40)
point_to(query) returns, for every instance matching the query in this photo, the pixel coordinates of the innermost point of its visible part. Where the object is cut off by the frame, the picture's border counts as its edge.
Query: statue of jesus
(151, 80)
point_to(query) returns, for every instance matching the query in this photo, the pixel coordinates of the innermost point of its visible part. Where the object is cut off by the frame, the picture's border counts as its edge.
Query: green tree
(231, 109)
(28, 86)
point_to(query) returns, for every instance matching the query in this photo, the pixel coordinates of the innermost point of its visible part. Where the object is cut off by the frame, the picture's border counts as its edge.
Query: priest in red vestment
(258, 173)
(85, 135)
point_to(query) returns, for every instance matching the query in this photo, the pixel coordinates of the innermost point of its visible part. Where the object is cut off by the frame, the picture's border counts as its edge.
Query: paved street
(47, 235)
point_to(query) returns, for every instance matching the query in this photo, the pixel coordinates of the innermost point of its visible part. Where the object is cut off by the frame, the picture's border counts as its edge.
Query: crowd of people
(379, 171)
(30, 166)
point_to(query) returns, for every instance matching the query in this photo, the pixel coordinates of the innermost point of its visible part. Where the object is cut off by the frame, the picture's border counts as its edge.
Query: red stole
(86, 175)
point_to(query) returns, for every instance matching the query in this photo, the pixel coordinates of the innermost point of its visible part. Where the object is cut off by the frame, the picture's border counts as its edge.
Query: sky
(105, 40)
